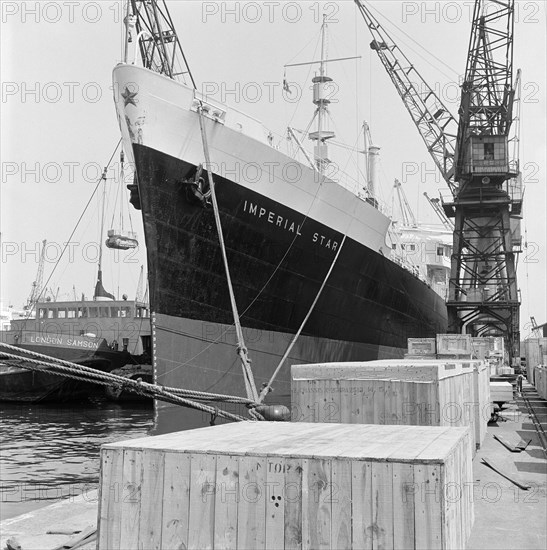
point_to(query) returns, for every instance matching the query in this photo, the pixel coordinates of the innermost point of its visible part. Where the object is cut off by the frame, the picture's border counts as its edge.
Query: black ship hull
(278, 261)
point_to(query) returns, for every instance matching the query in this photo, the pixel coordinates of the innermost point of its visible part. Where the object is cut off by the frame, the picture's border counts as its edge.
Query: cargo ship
(299, 244)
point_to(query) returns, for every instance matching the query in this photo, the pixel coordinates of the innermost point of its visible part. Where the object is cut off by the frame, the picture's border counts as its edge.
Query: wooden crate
(498, 344)
(494, 345)
(399, 392)
(501, 392)
(530, 374)
(535, 350)
(479, 403)
(454, 344)
(541, 381)
(481, 347)
(482, 408)
(504, 371)
(422, 346)
(273, 485)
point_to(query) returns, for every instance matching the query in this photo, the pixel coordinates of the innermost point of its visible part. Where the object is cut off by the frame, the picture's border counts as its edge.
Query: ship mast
(321, 99)
(323, 88)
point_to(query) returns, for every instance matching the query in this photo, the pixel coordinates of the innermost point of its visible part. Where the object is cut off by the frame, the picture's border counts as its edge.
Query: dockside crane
(483, 290)
(472, 155)
(150, 27)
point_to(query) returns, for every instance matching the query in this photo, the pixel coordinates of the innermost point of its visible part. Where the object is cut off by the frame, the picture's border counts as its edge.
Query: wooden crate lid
(310, 440)
(424, 370)
(501, 385)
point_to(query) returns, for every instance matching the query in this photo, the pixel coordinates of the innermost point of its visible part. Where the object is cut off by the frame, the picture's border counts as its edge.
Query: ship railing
(279, 142)
(332, 171)
(409, 266)
(360, 190)
(446, 195)
(513, 187)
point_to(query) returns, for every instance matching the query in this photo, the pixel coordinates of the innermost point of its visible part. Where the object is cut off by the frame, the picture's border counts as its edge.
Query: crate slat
(110, 498)
(403, 505)
(201, 506)
(150, 522)
(251, 530)
(226, 499)
(382, 505)
(341, 504)
(293, 500)
(131, 497)
(176, 501)
(428, 517)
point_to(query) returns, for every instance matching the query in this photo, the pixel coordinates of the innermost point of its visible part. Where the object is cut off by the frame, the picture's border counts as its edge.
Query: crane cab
(486, 156)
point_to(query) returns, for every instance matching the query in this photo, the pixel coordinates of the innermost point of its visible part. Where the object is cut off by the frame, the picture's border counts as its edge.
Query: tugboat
(104, 335)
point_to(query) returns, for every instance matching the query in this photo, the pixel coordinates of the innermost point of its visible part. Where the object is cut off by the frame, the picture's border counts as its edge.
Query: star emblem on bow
(129, 97)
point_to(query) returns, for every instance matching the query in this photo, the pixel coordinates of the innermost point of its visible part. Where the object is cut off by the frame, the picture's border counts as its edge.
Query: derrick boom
(37, 290)
(436, 125)
(150, 24)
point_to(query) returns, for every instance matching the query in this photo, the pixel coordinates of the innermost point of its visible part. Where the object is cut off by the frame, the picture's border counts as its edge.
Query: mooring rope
(266, 388)
(250, 385)
(87, 374)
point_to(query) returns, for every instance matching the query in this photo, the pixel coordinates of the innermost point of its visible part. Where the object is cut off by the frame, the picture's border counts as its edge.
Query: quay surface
(62, 520)
(506, 516)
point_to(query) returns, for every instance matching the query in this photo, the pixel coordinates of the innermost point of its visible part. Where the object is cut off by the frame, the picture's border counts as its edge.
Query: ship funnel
(373, 160)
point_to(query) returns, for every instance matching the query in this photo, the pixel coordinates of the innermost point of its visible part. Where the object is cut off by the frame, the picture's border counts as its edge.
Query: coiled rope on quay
(178, 396)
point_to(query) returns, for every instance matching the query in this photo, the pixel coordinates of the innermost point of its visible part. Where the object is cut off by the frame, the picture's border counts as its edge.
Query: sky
(58, 126)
